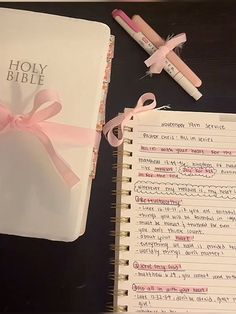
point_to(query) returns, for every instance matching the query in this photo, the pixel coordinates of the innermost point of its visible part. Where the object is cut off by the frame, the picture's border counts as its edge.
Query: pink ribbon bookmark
(35, 123)
(156, 61)
(122, 119)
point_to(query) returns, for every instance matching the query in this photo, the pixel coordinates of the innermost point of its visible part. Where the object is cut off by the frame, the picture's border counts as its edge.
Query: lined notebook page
(182, 241)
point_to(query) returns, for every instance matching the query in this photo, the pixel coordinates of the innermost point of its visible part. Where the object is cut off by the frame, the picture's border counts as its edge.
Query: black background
(42, 276)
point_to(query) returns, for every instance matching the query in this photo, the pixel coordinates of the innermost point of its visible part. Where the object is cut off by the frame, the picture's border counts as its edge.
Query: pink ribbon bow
(123, 118)
(157, 60)
(35, 123)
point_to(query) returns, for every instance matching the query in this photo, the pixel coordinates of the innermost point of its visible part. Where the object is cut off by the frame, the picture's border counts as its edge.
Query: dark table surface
(44, 276)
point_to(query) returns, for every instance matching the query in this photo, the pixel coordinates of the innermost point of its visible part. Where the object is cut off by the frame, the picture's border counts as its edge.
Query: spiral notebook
(176, 216)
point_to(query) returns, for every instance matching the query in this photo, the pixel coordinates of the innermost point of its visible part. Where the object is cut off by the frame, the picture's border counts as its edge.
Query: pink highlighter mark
(157, 267)
(184, 238)
(168, 289)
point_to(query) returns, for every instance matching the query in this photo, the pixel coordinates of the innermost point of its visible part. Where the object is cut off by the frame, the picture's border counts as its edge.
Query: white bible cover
(41, 51)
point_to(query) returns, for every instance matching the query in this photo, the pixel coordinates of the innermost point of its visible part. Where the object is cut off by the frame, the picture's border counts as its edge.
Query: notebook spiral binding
(120, 234)
(121, 192)
(120, 206)
(120, 262)
(118, 309)
(120, 219)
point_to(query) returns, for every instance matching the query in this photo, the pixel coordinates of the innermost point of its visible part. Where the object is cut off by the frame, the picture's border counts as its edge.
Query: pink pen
(171, 56)
(133, 30)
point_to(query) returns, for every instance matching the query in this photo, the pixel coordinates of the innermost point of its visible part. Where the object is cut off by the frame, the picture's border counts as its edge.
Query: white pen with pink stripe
(132, 29)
